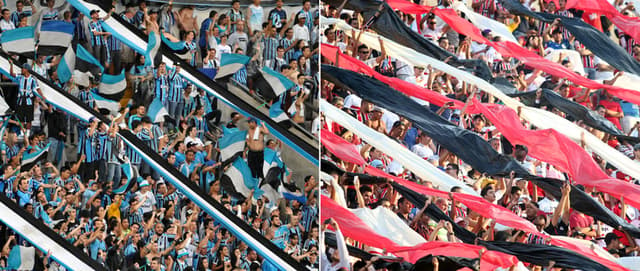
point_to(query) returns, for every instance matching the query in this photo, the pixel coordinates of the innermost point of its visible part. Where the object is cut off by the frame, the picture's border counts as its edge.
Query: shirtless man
(151, 21)
(376, 122)
(255, 142)
(186, 21)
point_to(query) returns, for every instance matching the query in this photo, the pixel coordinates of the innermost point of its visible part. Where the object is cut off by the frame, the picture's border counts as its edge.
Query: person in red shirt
(614, 110)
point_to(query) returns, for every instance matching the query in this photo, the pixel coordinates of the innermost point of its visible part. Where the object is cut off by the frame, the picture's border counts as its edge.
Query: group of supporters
(99, 194)
(550, 215)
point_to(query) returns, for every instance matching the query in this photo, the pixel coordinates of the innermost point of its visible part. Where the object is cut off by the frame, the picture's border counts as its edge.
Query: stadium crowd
(549, 215)
(77, 189)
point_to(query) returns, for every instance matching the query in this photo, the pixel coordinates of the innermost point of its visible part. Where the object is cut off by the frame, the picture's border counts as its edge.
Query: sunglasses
(364, 52)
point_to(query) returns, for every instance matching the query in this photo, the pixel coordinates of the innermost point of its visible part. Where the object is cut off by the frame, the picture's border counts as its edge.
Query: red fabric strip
(629, 25)
(341, 148)
(352, 64)
(353, 227)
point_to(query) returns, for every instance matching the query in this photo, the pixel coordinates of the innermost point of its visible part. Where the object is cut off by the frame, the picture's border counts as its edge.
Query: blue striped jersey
(15, 16)
(96, 40)
(270, 47)
(50, 14)
(79, 30)
(177, 85)
(134, 157)
(241, 76)
(105, 146)
(288, 55)
(86, 97)
(162, 86)
(26, 88)
(200, 124)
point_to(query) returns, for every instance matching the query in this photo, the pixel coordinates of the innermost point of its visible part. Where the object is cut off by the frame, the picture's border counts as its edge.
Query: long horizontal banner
(137, 40)
(593, 39)
(44, 238)
(408, 159)
(540, 118)
(579, 255)
(64, 101)
(469, 147)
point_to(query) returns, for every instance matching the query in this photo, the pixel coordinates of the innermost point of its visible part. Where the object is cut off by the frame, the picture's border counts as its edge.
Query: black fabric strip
(78, 253)
(176, 175)
(303, 143)
(574, 110)
(593, 39)
(468, 146)
(531, 253)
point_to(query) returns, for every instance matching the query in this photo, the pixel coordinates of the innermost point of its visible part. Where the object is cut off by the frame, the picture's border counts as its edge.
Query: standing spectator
(235, 15)
(239, 39)
(20, 12)
(278, 16)
(27, 85)
(6, 24)
(98, 37)
(255, 15)
(300, 30)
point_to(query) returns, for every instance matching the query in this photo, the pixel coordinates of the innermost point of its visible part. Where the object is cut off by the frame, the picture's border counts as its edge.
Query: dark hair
(485, 191)
(212, 13)
(515, 189)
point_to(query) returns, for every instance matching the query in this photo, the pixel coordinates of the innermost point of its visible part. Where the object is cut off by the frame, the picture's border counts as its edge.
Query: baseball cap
(144, 183)
(302, 15)
(377, 163)
(610, 237)
(376, 108)
(251, 119)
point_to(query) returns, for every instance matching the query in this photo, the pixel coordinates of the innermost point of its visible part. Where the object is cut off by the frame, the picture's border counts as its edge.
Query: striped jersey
(15, 16)
(26, 88)
(285, 43)
(162, 86)
(177, 85)
(96, 40)
(270, 45)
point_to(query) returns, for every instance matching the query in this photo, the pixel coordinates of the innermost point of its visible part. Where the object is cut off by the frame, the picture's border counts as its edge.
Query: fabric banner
(468, 146)
(389, 25)
(31, 159)
(42, 238)
(67, 65)
(21, 258)
(625, 23)
(554, 148)
(272, 84)
(393, 227)
(593, 39)
(572, 109)
(347, 62)
(231, 143)
(276, 113)
(113, 86)
(102, 103)
(482, 22)
(237, 180)
(341, 148)
(54, 37)
(408, 159)
(230, 64)
(540, 118)
(554, 252)
(19, 41)
(353, 227)
(156, 111)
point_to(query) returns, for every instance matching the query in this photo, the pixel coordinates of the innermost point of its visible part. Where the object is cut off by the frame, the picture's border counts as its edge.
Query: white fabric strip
(540, 118)
(392, 228)
(482, 22)
(408, 159)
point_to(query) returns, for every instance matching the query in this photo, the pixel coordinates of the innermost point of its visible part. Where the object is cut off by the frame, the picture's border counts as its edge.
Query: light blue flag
(156, 111)
(231, 143)
(230, 64)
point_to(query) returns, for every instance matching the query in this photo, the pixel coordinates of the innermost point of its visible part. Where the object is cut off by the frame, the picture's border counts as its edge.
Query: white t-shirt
(300, 32)
(222, 49)
(421, 150)
(149, 202)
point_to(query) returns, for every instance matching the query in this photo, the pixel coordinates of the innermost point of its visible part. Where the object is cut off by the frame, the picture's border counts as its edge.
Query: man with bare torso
(255, 143)
(187, 22)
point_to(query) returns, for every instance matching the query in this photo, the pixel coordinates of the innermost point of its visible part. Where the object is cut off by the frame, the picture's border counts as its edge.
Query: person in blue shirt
(280, 232)
(20, 12)
(557, 42)
(27, 87)
(189, 164)
(142, 77)
(205, 29)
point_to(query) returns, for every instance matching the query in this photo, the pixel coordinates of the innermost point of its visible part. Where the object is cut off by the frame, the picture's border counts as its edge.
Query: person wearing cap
(146, 196)
(300, 30)
(98, 36)
(375, 122)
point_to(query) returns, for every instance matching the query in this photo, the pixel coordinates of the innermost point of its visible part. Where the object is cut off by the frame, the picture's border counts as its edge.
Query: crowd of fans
(550, 215)
(152, 226)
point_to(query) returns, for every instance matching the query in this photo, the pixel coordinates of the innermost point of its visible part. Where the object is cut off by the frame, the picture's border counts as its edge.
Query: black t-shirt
(560, 229)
